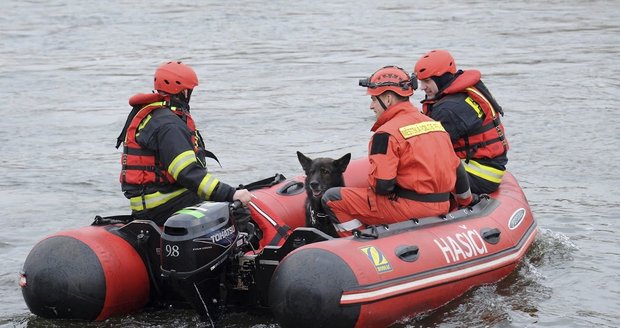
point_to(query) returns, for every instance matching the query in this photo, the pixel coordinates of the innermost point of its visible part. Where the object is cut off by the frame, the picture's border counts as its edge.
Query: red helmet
(434, 63)
(174, 77)
(388, 78)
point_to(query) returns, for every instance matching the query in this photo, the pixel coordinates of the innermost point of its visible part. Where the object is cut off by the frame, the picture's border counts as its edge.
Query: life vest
(140, 166)
(488, 141)
(421, 170)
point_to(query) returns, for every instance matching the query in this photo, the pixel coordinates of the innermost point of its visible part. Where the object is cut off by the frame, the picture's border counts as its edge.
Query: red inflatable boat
(390, 272)
(267, 258)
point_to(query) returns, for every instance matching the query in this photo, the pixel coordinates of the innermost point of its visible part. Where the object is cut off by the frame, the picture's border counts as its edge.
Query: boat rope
(374, 233)
(264, 183)
(100, 220)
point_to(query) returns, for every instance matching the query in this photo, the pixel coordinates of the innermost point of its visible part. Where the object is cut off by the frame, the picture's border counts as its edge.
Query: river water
(281, 76)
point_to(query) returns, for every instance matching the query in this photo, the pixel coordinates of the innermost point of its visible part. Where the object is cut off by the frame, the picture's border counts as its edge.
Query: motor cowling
(196, 243)
(197, 240)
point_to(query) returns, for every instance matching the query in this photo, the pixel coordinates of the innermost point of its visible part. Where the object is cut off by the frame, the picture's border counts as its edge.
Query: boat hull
(405, 268)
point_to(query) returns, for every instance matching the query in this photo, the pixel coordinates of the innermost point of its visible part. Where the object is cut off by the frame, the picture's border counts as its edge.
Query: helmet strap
(189, 94)
(381, 102)
(180, 101)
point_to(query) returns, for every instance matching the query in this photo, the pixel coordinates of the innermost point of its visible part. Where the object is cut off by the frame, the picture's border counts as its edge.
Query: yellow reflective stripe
(420, 128)
(470, 89)
(486, 172)
(144, 122)
(180, 162)
(475, 106)
(153, 200)
(192, 212)
(206, 186)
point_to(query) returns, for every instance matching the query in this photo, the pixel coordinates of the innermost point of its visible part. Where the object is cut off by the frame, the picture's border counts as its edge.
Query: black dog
(321, 174)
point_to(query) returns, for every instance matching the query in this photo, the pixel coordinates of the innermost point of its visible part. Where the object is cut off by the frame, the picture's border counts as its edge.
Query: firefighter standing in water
(469, 113)
(413, 169)
(163, 161)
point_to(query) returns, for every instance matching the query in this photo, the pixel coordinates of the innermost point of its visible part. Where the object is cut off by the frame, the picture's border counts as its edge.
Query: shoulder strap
(201, 144)
(487, 94)
(136, 102)
(267, 182)
(121, 136)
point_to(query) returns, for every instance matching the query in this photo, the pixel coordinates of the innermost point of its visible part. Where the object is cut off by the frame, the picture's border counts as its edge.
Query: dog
(321, 174)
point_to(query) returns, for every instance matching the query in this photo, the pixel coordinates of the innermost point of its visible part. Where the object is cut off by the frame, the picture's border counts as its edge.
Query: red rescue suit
(412, 172)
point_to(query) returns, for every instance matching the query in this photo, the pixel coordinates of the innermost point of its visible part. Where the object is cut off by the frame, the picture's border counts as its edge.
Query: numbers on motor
(172, 251)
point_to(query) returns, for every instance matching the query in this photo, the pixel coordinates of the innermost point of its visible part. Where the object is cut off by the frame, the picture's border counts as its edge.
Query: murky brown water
(281, 76)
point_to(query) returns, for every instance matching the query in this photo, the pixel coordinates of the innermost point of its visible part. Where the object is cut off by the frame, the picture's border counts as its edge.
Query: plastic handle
(491, 236)
(408, 253)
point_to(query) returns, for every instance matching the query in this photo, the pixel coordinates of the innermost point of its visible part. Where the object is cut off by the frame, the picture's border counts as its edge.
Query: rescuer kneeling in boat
(163, 161)
(413, 168)
(469, 113)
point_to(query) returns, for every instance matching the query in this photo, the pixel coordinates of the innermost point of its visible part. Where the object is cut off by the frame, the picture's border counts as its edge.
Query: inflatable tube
(405, 268)
(279, 209)
(303, 297)
(87, 273)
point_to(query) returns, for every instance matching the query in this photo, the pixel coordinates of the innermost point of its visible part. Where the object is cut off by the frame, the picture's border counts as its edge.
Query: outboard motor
(195, 246)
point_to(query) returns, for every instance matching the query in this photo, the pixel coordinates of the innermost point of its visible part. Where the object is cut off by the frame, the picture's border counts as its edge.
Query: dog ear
(304, 161)
(343, 162)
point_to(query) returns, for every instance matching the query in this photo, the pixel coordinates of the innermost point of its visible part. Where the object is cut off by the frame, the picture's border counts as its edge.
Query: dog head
(323, 173)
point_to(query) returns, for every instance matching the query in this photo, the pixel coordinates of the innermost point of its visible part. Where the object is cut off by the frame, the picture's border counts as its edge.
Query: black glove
(241, 216)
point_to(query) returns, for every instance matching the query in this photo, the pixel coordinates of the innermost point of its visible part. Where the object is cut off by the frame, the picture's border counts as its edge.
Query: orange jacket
(410, 151)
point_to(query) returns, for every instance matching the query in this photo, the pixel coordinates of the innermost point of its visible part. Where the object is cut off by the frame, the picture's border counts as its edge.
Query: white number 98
(172, 250)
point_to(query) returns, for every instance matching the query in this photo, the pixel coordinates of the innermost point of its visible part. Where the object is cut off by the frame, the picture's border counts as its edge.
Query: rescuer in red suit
(413, 169)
